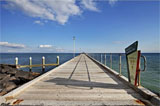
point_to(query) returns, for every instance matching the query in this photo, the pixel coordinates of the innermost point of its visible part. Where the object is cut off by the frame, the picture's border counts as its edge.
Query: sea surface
(149, 79)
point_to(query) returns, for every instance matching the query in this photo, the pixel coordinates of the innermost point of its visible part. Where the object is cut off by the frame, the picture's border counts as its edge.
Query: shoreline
(11, 78)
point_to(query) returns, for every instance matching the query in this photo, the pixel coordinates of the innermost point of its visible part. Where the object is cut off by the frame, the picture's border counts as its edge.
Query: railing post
(120, 64)
(43, 64)
(111, 60)
(58, 60)
(105, 59)
(16, 62)
(101, 58)
(30, 63)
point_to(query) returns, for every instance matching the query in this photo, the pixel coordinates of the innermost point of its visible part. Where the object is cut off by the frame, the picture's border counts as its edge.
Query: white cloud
(112, 2)
(45, 46)
(60, 50)
(54, 10)
(6, 47)
(38, 22)
(120, 42)
(11, 45)
(90, 5)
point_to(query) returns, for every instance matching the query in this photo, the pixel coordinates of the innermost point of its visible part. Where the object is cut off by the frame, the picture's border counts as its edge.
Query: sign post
(133, 63)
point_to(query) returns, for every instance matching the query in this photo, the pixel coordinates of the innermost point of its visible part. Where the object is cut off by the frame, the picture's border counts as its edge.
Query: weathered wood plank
(79, 82)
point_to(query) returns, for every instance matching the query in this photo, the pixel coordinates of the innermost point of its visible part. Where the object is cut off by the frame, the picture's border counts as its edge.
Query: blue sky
(99, 26)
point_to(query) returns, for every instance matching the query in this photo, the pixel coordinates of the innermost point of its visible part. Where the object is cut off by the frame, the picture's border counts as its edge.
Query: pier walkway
(80, 81)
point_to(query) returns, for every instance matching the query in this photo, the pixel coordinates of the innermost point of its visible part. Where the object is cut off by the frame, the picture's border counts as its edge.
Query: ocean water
(149, 79)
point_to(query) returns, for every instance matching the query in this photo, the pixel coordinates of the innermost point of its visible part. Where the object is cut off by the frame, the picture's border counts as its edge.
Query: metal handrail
(145, 63)
(36, 65)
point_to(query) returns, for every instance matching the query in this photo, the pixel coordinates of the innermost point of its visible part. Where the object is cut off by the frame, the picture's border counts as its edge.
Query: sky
(107, 26)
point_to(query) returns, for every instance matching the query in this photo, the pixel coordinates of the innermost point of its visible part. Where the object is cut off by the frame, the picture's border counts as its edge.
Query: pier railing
(121, 65)
(103, 60)
(43, 65)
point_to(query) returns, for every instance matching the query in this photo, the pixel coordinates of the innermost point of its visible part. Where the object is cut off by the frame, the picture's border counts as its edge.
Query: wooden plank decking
(79, 82)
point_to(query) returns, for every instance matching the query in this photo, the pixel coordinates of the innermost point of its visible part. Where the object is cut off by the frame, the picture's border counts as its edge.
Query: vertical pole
(74, 46)
(105, 59)
(43, 64)
(30, 63)
(101, 58)
(111, 60)
(120, 64)
(58, 60)
(16, 62)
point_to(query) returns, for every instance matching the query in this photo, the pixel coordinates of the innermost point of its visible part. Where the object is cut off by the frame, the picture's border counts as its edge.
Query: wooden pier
(80, 81)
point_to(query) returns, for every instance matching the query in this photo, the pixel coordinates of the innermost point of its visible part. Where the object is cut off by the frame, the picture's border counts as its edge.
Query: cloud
(38, 22)
(120, 42)
(53, 10)
(45, 46)
(6, 47)
(112, 2)
(11, 45)
(89, 4)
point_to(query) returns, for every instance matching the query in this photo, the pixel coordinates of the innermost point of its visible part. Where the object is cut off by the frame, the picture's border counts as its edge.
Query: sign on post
(133, 62)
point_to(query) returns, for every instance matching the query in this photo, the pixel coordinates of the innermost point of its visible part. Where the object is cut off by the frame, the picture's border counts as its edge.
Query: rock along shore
(11, 78)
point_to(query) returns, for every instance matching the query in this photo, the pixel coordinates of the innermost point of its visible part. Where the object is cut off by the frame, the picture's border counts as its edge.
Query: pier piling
(101, 59)
(16, 61)
(110, 60)
(30, 64)
(105, 59)
(58, 60)
(43, 64)
(119, 64)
